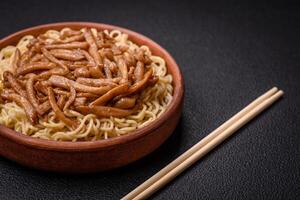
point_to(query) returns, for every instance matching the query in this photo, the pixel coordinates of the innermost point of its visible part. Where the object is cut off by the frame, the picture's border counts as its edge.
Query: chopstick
(200, 144)
(204, 146)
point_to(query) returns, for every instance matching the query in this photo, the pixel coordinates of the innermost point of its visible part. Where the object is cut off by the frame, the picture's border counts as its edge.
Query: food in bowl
(81, 85)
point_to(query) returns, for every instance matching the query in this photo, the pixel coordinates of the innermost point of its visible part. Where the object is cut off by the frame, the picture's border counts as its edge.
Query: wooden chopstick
(200, 144)
(204, 146)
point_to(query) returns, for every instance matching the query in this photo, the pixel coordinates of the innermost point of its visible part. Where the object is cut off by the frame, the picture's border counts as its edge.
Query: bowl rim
(177, 100)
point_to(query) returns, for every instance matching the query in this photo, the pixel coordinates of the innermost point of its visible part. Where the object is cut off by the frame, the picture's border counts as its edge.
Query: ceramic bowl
(93, 156)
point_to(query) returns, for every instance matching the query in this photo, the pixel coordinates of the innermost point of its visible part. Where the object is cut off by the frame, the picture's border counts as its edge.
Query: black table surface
(229, 53)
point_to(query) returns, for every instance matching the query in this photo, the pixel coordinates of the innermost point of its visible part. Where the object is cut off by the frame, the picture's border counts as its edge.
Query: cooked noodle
(155, 100)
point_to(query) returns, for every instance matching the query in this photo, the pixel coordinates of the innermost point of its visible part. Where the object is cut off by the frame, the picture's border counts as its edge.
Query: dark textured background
(229, 54)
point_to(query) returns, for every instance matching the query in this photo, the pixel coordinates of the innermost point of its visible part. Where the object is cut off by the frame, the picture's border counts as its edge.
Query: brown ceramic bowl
(81, 157)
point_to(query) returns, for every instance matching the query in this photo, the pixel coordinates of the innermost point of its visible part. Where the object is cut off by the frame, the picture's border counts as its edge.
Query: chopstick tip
(275, 88)
(280, 93)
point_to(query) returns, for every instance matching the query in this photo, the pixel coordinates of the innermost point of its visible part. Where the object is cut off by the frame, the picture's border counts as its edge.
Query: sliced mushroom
(31, 67)
(125, 103)
(121, 89)
(123, 69)
(14, 84)
(44, 107)
(58, 113)
(138, 86)
(24, 103)
(31, 93)
(48, 55)
(61, 101)
(105, 111)
(15, 61)
(98, 82)
(60, 81)
(71, 97)
(93, 49)
(67, 54)
(72, 45)
(139, 71)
